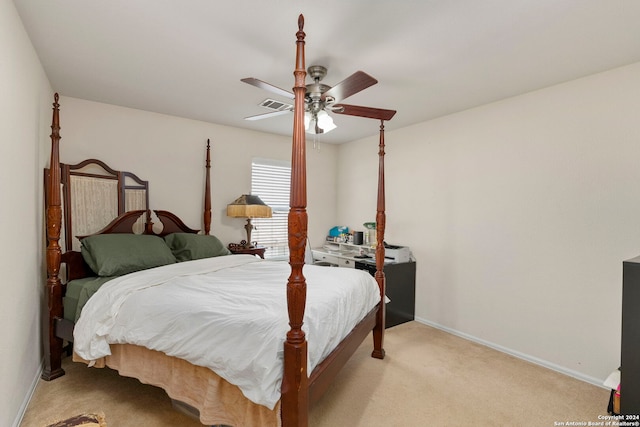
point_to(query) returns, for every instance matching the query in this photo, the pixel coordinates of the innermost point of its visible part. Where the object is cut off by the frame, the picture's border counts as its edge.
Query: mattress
(78, 293)
(228, 314)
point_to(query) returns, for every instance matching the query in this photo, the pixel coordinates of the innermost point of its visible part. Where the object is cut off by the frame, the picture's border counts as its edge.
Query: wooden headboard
(97, 199)
(76, 266)
(93, 194)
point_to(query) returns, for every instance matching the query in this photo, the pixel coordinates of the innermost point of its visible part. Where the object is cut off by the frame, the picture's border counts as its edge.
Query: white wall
(25, 101)
(520, 214)
(169, 152)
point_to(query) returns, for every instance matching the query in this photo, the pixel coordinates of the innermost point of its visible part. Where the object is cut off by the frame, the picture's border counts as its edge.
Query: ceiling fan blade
(267, 115)
(268, 86)
(351, 85)
(368, 112)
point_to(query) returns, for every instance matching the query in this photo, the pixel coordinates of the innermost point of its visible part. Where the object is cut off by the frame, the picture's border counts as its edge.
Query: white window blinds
(271, 181)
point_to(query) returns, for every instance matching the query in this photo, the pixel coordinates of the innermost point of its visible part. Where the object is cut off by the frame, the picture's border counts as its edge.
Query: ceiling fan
(321, 98)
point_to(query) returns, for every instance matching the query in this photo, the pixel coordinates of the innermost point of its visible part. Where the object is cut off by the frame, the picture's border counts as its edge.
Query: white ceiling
(431, 57)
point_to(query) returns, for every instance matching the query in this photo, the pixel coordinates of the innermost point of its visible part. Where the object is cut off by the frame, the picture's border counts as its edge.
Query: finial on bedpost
(300, 71)
(378, 331)
(295, 394)
(207, 192)
(53, 288)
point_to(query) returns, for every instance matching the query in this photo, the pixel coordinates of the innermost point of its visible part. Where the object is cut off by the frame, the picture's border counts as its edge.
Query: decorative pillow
(187, 246)
(118, 254)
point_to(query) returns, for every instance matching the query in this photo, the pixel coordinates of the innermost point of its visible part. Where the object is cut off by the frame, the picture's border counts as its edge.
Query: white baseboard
(544, 363)
(27, 397)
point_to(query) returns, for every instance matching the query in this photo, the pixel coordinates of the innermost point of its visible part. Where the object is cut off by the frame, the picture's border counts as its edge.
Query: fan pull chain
(316, 145)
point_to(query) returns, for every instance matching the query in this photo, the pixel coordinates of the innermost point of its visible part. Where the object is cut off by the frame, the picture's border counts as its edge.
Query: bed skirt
(217, 401)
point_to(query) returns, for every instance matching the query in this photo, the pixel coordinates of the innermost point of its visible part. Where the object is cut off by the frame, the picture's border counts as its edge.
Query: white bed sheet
(228, 314)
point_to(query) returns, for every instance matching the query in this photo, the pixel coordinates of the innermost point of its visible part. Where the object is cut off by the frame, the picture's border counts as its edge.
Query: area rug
(83, 420)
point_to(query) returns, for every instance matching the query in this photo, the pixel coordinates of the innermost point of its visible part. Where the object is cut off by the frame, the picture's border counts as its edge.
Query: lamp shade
(319, 121)
(248, 206)
(325, 122)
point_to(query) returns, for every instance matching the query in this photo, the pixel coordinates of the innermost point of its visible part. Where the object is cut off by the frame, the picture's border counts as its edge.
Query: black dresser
(400, 288)
(630, 353)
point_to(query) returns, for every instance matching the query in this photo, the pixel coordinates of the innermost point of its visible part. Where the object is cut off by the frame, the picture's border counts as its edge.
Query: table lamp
(248, 206)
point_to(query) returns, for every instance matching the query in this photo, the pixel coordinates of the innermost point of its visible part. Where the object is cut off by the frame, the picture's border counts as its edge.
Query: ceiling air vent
(274, 105)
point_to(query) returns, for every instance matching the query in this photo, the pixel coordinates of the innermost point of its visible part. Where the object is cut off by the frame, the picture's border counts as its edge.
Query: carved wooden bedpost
(207, 193)
(53, 291)
(378, 331)
(295, 395)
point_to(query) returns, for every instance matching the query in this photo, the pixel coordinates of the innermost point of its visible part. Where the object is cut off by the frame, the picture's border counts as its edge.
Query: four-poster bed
(298, 387)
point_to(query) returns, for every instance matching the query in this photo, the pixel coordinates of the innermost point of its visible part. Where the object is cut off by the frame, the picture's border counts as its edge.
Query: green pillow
(118, 254)
(187, 246)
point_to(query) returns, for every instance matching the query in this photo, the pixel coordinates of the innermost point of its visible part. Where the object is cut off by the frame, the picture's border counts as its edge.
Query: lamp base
(242, 245)
(248, 226)
(253, 250)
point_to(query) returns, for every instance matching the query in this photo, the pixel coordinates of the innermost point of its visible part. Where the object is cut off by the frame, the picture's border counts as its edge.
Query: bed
(305, 370)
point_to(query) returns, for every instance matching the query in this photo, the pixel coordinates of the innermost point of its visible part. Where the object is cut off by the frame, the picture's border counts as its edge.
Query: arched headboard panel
(93, 194)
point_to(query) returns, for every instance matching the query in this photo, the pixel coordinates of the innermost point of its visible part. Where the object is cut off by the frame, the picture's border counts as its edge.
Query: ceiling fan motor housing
(317, 72)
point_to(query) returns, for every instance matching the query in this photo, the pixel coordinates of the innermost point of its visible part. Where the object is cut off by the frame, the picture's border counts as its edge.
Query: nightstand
(236, 248)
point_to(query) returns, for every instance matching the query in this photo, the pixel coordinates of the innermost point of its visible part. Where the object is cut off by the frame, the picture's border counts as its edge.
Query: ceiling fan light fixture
(325, 122)
(320, 121)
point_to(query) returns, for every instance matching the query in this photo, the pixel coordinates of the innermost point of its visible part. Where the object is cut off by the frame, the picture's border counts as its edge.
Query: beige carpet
(429, 378)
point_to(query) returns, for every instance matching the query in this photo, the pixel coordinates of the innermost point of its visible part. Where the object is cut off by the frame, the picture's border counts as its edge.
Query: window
(271, 181)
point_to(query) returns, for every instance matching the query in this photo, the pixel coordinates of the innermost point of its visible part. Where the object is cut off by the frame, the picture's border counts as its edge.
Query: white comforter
(227, 313)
